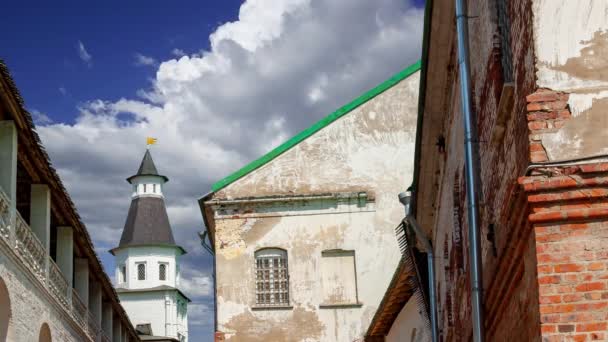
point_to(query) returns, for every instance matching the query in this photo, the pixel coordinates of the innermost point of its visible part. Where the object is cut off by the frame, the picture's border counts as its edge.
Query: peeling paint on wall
(570, 42)
(571, 47)
(583, 135)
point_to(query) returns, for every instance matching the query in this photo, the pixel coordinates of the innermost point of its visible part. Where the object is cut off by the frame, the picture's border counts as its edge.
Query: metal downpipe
(471, 147)
(431, 269)
(404, 198)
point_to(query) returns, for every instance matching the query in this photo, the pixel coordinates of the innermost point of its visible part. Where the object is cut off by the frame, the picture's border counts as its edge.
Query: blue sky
(219, 83)
(42, 47)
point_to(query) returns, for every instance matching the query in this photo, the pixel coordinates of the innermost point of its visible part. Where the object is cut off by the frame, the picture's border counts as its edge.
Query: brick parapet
(569, 215)
(547, 111)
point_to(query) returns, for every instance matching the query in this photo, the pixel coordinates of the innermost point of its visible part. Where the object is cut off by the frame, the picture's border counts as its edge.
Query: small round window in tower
(162, 272)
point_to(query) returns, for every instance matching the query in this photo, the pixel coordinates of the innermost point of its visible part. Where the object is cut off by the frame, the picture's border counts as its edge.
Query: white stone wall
(158, 308)
(32, 306)
(153, 186)
(409, 326)
(152, 256)
(145, 308)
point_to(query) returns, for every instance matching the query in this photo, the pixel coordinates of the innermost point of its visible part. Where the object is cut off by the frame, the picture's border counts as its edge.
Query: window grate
(272, 278)
(162, 272)
(141, 271)
(504, 28)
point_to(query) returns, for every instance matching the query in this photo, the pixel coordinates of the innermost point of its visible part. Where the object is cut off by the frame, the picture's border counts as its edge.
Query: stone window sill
(278, 307)
(341, 306)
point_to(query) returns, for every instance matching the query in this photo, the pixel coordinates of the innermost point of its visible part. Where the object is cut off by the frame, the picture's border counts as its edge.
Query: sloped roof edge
(370, 94)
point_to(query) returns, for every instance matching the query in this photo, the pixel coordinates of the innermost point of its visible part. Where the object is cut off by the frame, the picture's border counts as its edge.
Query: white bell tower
(147, 261)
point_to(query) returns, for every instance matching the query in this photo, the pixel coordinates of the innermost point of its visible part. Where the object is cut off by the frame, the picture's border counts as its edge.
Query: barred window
(272, 277)
(162, 272)
(504, 28)
(141, 271)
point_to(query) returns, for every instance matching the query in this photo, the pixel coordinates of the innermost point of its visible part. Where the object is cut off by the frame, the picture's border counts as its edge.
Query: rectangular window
(122, 274)
(504, 28)
(272, 278)
(141, 271)
(162, 272)
(154, 188)
(338, 277)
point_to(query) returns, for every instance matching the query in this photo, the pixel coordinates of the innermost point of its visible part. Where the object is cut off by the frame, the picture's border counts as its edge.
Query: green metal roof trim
(405, 73)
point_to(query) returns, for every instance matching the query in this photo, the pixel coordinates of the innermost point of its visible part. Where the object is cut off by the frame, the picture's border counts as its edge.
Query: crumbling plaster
(371, 151)
(571, 47)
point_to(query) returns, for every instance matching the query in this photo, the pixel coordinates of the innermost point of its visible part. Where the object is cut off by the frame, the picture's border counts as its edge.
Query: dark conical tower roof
(147, 168)
(147, 222)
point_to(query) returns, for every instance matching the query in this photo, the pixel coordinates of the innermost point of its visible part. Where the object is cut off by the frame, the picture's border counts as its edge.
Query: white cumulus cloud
(84, 55)
(144, 60)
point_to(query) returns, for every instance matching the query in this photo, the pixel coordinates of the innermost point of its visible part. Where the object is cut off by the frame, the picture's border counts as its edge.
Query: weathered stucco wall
(406, 329)
(571, 48)
(369, 150)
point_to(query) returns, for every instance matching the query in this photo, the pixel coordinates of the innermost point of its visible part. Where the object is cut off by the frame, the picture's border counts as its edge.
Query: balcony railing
(79, 310)
(35, 257)
(105, 337)
(5, 218)
(92, 326)
(57, 284)
(30, 249)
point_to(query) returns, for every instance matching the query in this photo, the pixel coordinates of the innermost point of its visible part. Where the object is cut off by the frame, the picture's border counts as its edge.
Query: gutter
(428, 12)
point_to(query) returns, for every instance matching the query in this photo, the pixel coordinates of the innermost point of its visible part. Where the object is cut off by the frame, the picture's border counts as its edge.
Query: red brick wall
(544, 230)
(569, 213)
(510, 286)
(547, 111)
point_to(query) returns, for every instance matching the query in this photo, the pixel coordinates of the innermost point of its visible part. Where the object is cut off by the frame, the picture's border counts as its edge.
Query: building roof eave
(180, 248)
(154, 289)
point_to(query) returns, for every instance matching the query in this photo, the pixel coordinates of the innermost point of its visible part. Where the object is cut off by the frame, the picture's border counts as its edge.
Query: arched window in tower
(141, 271)
(272, 277)
(154, 188)
(145, 188)
(162, 272)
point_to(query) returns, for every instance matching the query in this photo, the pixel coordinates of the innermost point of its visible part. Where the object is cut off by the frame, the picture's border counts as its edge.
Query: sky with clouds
(217, 82)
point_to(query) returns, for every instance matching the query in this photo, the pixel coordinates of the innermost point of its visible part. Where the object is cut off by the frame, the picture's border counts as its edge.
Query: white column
(40, 214)
(81, 279)
(8, 167)
(116, 329)
(65, 253)
(106, 319)
(8, 159)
